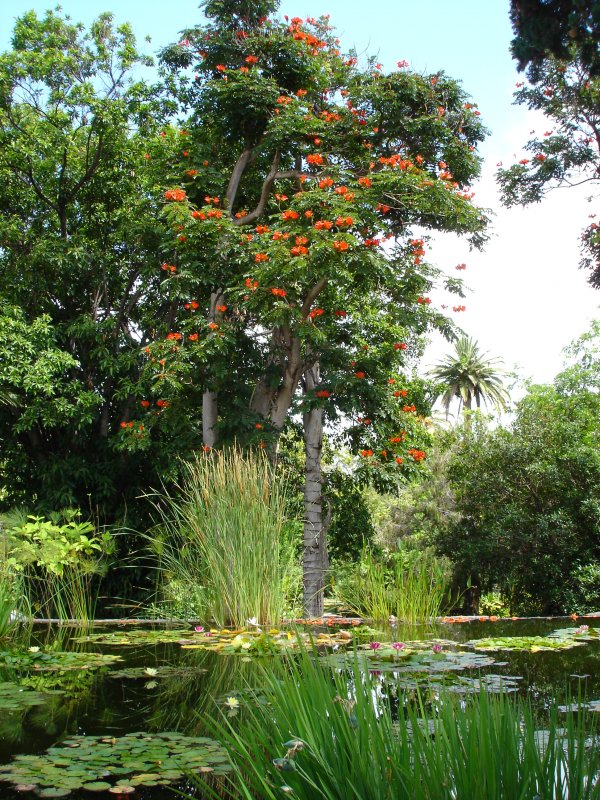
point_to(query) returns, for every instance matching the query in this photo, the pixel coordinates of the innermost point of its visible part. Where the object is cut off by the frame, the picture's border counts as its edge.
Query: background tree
(559, 42)
(470, 376)
(546, 28)
(526, 497)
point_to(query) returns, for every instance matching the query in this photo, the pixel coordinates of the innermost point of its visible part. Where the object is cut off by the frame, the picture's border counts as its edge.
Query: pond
(122, 709)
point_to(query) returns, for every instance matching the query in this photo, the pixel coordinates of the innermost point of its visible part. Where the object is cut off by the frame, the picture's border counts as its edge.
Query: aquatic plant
(409, 585)
(318, 733)
(221, 540)
(100, 763)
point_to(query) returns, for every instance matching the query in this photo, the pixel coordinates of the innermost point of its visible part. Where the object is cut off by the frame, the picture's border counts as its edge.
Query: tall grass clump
(408, 584)
(222, 546)
(313, 733)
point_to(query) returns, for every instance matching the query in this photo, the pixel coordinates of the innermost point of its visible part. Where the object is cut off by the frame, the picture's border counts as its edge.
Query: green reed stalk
(357, 742)
(221, 541)
(413, 588)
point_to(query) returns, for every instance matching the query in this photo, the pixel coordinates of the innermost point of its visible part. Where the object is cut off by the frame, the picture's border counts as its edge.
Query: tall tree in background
(302, 166)
(558, 41)
(545, 28)
(470, 376)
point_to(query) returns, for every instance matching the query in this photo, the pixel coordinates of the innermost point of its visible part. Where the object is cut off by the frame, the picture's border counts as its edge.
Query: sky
(527, 298)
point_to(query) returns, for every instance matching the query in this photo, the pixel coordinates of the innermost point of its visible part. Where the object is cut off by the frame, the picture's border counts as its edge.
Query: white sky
(528, 299)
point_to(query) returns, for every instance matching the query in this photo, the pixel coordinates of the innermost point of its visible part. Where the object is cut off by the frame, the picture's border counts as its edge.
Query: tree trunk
(210, 406)
(315, 547)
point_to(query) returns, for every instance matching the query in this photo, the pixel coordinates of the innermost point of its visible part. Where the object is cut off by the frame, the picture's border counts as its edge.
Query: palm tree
(470, 375)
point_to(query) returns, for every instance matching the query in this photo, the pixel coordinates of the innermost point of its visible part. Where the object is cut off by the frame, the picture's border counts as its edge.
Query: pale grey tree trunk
(315, 546)
(210, 404)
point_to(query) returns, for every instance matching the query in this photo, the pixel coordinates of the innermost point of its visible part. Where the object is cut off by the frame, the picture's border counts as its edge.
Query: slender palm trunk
(315, 547)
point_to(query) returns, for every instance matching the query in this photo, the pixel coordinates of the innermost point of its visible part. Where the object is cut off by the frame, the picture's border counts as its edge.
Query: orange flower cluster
(299, 250)
(222, 309)
(359, 375)
(193, 337)
(250, 284)
(282, 100)
(424, 301)
(418, 455)
(323, 224)
(260, 257)
(314, 158)
(163, 403)
(174, 337)
(198, 215)
(365, 182)
(261, 229)
(400, 345)
(193, 305)
(340, 313)
(168, 267)
(251, 60)
(278, 292)
(372, 242)
(409, 409)
(290, 215)
(325, 183)
(316, 312)
(344, 222)
(340, 246)
(459, 308)
(176, 195)
(366, 453)
(323, 393)
(145, 403)
(212, 326)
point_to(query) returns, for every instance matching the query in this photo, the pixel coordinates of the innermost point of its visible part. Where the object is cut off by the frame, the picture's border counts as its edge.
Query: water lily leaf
(96, 786)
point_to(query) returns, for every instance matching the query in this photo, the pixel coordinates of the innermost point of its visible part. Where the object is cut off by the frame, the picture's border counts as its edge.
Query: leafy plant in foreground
(313, 736)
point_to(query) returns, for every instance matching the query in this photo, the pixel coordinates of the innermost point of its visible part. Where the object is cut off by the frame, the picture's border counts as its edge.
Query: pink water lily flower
(398, 645)
(437, 648)
(374, 645)
(199, 628)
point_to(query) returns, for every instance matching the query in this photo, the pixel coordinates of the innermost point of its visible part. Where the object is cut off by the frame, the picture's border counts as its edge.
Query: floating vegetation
(561, 639)
(14, 697)
(163, 671)
(101, 763)
(415, 657)
(42, 660)
(252, 641)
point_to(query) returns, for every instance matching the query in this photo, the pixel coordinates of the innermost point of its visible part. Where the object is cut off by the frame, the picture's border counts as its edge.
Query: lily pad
(41, 660)
(159, 759)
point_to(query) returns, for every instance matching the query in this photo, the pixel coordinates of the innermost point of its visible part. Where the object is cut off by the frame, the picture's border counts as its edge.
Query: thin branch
(236, 176)
(312, 295)
(264, 195)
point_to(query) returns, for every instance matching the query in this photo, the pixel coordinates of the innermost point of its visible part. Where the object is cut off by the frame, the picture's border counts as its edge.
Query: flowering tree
(563, 84)
(304, 176)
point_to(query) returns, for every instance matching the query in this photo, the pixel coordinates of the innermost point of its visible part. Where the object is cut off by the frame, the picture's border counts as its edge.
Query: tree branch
(264, 195)
(312, 295)
(236, 176)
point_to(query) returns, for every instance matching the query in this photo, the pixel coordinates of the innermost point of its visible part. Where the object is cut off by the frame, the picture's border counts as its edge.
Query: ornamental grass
(223, 548)
(314, 733)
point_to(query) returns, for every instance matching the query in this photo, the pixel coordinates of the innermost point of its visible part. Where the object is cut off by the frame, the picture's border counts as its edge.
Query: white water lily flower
(152, 671)
(232, 702)
(34, 649)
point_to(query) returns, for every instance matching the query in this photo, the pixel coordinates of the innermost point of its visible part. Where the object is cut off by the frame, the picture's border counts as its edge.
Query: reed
(221, 543)
(409, 585)
(314, 733)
